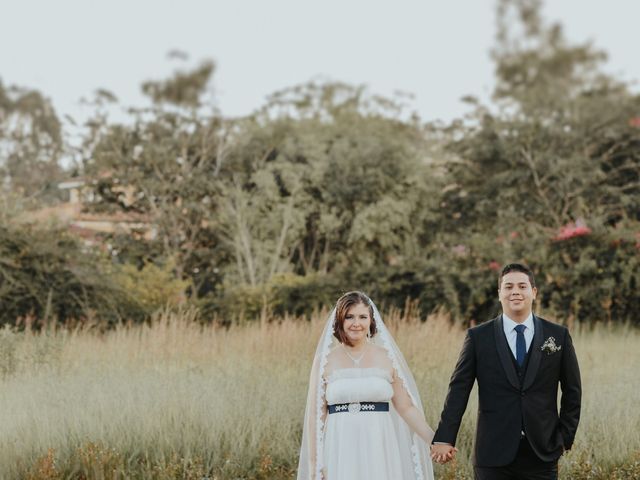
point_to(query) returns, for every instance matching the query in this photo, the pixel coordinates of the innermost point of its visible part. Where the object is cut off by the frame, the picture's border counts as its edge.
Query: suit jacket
(508, 403)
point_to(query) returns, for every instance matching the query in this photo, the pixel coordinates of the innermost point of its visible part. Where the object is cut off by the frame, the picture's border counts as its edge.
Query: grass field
(178, 400)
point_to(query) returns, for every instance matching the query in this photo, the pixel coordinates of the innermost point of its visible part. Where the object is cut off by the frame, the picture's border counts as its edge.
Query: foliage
(591, 276)
(46, 276)
(605, 265)
(31, 143)
(152, 287)
(560, 150)
(285, 294)
(240, 205)
(184, 89)
(328, 188)
(164, 166)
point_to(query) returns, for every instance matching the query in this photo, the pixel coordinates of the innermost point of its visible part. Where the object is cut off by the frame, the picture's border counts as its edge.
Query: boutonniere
(549, 346)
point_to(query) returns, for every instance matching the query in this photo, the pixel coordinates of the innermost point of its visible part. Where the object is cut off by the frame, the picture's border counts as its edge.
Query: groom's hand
(443, 452)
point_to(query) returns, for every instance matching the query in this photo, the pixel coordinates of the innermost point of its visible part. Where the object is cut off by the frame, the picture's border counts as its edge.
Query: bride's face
(357, 322)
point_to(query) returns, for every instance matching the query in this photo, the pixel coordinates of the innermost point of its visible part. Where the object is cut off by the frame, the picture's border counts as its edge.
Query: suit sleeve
(460, 386)
(571, 393)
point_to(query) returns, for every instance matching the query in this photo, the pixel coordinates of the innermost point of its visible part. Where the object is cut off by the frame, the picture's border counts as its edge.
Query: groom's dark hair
(517, 267)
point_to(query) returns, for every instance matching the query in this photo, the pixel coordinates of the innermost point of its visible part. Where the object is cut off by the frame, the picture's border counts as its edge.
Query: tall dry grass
(175, 399)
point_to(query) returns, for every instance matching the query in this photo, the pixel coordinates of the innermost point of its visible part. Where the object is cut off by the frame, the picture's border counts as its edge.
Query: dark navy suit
(515, 400)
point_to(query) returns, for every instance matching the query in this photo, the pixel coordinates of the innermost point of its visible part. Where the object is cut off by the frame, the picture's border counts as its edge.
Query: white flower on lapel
(549, 346)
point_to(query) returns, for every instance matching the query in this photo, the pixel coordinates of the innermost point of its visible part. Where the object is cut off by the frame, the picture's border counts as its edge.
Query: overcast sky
(435, 49)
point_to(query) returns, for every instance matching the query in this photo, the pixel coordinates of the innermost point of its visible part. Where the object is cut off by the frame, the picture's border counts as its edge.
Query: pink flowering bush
(571, 230)
(583, 273)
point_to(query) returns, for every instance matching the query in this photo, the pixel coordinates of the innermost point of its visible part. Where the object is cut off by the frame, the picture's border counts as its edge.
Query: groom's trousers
(526, 466)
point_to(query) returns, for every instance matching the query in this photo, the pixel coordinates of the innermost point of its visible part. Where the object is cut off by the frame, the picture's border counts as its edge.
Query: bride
(364, 418)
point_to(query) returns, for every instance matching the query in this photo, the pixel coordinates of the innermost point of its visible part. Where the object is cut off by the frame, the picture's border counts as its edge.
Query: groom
(518, 360)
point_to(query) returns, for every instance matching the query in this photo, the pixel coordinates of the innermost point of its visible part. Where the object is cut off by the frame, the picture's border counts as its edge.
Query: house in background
(87, 225)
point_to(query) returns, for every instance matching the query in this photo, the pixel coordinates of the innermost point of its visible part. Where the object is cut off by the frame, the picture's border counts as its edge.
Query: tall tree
(164, 166)
(31, 143)
(559, 146)
(549, 174)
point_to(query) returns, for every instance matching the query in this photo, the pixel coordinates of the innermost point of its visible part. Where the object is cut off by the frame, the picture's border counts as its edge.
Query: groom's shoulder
(484, 327)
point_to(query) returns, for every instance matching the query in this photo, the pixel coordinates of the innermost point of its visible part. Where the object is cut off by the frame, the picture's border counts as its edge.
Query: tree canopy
(328, 187)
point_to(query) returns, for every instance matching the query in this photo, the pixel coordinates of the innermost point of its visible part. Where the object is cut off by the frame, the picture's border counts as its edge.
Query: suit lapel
(504, 353)
(535, 354)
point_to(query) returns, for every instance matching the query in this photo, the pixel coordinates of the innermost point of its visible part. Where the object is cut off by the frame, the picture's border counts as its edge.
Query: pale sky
(437, 50)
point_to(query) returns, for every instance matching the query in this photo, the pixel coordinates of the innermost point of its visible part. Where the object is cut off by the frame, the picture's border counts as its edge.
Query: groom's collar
(509, 324)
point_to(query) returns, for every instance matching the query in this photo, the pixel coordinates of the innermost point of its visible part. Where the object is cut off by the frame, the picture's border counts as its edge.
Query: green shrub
(48, 275)
(153, 286)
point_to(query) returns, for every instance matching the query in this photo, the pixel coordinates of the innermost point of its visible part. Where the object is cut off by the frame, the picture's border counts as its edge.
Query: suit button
(522, 394)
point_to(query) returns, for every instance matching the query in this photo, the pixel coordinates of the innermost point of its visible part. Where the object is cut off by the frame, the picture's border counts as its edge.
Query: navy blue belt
(359, 407)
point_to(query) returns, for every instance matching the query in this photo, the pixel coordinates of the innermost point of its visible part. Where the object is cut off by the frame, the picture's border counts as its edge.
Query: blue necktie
(521, 345)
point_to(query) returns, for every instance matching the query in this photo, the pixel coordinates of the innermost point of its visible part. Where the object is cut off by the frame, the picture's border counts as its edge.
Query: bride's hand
(443, 453)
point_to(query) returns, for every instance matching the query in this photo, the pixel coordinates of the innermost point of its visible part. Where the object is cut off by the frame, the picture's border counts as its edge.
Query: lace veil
(412, 448)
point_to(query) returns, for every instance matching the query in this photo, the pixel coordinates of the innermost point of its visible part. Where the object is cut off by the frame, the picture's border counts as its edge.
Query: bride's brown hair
(343, 305)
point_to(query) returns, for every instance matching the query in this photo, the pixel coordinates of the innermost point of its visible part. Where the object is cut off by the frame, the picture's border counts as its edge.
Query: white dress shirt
(511, 334)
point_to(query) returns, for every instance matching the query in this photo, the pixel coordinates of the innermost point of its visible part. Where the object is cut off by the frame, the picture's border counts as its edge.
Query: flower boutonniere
(549, 346)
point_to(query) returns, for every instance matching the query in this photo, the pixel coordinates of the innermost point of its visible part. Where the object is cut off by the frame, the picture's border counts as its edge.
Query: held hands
(443, 453)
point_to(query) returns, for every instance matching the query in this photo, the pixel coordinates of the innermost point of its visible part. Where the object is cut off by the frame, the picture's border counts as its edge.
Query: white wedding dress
(362, 445)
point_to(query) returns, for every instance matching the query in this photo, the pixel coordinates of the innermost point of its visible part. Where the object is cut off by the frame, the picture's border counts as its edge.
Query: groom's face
(516, 295)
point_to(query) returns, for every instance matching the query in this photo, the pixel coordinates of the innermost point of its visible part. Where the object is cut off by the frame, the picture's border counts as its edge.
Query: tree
(46, 275)
(367, 176)
(164, 166)
(320, 179)
(550, 175)
(31, 143)
(561, 134)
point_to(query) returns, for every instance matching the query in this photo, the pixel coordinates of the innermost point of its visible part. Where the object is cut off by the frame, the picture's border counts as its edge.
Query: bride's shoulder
(381, 354)
(378, 349)
(333, 356)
